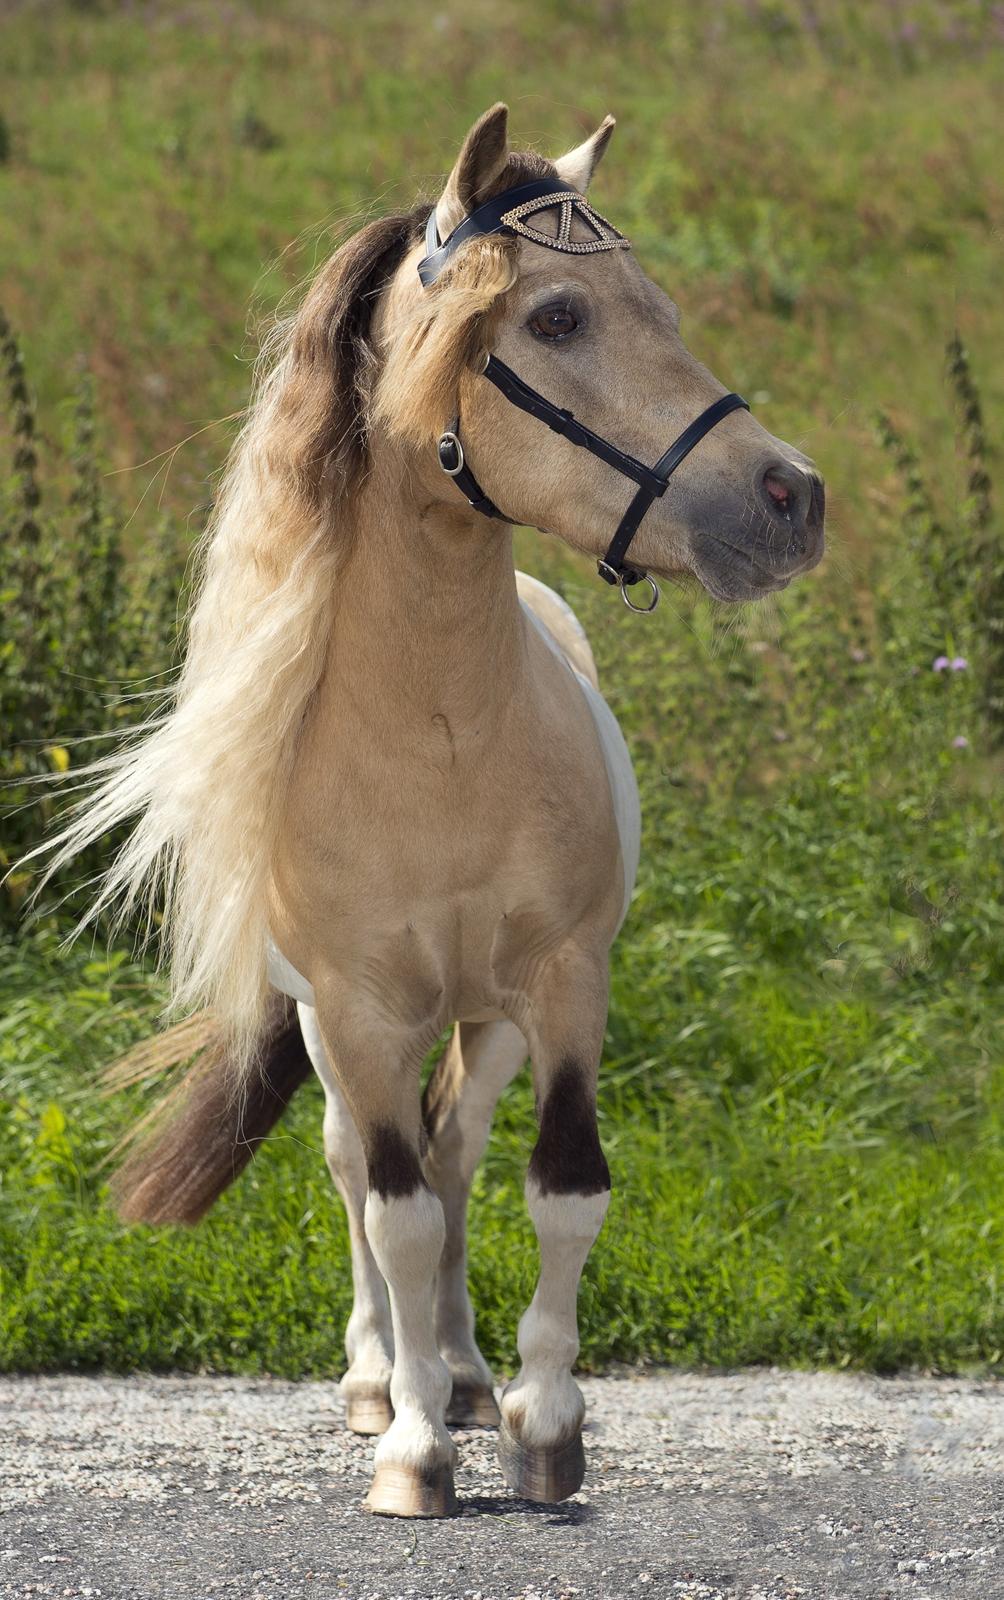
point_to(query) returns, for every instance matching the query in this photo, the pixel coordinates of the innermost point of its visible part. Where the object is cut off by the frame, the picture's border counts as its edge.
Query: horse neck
(428, 622)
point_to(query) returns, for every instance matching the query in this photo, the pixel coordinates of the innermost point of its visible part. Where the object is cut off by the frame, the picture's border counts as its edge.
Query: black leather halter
(496, 216)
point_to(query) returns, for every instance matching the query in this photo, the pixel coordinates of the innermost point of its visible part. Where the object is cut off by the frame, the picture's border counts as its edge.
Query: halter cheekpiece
(511, 213)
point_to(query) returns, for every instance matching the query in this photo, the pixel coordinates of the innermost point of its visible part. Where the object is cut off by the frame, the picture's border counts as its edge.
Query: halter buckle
(451, 454)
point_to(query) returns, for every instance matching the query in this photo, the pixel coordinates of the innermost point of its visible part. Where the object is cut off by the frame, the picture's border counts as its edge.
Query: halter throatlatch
(510, 213)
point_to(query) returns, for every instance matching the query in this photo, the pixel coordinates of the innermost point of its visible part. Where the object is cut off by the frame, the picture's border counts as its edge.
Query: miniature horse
(386, 790)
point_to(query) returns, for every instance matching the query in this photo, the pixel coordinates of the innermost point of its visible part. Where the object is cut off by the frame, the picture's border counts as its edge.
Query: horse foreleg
(369, 1339)
(567, 1193)
(482, 1058)
(377, 1067)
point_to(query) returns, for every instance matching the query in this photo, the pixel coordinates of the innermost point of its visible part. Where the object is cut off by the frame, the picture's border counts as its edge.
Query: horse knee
(404, 1219)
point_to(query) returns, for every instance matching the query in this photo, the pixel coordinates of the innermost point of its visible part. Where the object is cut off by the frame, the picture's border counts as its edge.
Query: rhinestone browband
(507, 213)
(571, 205)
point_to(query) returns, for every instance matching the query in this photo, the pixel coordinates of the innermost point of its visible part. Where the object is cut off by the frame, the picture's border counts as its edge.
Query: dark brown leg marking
(392, 1166)
(567, 1158)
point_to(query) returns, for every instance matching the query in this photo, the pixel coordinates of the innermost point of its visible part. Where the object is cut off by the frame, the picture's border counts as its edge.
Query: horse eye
(554, 322)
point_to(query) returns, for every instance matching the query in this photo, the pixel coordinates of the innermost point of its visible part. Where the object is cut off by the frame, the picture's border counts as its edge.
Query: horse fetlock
(365, 1388)
(420, 1384)
(467, 1366)
(544, 1411)
(545, 1345)
(415, 1442)
(368, 1407)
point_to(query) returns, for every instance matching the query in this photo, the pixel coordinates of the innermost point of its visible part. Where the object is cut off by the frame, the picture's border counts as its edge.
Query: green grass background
(802, 1083)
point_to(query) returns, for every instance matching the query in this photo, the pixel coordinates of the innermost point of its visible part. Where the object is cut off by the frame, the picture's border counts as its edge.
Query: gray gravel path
(754, 1486)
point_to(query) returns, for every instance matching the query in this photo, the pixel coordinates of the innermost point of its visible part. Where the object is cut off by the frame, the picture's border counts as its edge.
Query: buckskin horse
(386, 798)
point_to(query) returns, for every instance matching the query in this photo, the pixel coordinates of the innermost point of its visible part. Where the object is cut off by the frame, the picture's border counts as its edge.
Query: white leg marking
(406, 1235)
(369, 1338)
(543, 1406)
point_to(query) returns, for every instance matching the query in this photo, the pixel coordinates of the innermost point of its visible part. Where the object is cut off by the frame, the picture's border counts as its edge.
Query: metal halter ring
(642, 611)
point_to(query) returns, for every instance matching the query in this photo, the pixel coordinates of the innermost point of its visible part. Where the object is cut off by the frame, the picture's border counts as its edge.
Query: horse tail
(201, 1134)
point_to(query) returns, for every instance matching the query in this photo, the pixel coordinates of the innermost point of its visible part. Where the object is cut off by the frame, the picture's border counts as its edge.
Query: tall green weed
(85, 637)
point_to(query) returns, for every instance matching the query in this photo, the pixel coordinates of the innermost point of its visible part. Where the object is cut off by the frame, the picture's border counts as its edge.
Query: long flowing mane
(206, 779)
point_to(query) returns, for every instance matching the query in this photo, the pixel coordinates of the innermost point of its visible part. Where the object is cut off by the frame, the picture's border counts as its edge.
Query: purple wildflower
(960, 742)
(959, 664)
(940, 663)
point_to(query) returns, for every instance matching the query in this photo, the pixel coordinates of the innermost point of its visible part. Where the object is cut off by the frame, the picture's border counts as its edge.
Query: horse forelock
(438, 332)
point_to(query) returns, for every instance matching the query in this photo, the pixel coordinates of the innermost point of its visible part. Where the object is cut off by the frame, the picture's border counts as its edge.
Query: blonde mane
(207, 778)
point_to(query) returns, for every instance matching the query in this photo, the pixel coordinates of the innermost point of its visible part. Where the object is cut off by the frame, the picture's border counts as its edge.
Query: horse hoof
(542, 1475)
(368, 1411)
(472, 1405)
(407, 1492)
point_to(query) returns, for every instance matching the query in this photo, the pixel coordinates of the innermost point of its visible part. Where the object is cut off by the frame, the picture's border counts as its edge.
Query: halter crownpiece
(509, 213)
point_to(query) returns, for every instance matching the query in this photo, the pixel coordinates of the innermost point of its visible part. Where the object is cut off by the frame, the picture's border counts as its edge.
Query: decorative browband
(511, 213)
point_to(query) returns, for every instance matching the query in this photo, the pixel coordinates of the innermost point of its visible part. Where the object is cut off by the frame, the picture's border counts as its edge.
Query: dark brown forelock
(320, 437)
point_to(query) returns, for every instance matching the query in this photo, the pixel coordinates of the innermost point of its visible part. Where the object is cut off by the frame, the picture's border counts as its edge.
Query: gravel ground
(755, 1486)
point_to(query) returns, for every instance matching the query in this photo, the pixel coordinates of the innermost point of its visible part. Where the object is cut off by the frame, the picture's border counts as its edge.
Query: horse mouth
(730, 573)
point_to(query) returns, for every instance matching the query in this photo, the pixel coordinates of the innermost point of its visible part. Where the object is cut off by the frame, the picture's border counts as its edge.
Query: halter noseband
(509, 213)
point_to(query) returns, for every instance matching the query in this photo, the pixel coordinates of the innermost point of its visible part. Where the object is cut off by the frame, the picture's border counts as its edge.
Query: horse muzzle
(779, 536)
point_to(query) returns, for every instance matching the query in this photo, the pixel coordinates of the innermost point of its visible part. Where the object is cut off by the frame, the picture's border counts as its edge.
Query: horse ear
(578, 166)
(484, 154)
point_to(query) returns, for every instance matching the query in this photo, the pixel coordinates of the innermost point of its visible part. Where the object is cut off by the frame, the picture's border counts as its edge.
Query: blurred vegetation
(83, 635)
(801, 1095)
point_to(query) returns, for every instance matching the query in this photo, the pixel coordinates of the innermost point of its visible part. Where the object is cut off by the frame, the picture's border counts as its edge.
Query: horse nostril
(787, 493)
(778, 491)
(789, 532)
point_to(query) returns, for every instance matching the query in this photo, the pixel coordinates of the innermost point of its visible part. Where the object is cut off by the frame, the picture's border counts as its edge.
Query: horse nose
(794, 496)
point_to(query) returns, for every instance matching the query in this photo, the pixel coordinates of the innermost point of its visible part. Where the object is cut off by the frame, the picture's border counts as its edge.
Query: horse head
(555, 296)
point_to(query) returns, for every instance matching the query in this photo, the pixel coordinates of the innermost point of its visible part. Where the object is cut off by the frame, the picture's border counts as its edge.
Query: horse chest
(431, 878)
(483, 831)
